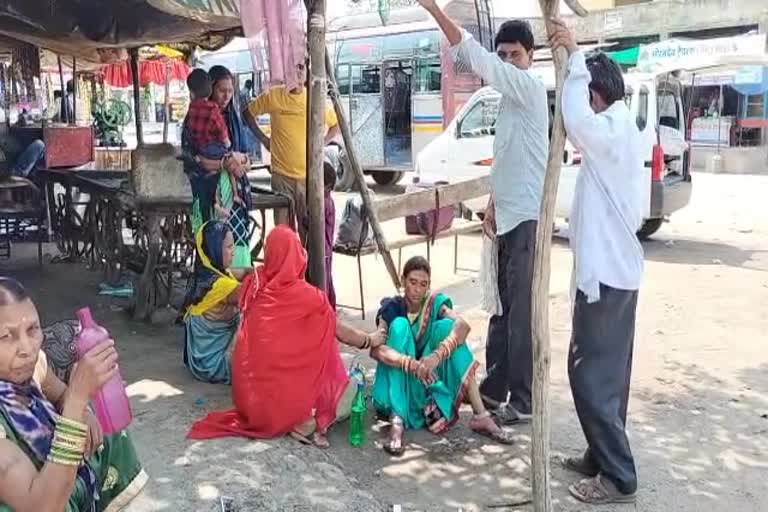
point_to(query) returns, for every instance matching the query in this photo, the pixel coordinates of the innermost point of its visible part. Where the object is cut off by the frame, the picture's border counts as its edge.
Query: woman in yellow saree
(211, 306)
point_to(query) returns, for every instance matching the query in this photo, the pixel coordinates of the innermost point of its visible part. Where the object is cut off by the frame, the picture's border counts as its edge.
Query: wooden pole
(134, 53)
(62, 118)
(346, 134)
(542, 497)
(167, 100)
(316, 143)
(73, 121)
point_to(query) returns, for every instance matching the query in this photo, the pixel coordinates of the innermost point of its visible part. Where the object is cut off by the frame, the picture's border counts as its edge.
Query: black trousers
(599, 369)
(508, 356)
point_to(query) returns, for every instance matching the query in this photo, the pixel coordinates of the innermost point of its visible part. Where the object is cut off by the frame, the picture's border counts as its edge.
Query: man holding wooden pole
(608, 267)
(517, 178)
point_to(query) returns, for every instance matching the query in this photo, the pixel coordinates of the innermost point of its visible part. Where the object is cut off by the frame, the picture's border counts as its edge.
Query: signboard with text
(686, 53)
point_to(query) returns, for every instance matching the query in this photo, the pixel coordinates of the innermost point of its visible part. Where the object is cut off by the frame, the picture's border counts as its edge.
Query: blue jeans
(28, 159)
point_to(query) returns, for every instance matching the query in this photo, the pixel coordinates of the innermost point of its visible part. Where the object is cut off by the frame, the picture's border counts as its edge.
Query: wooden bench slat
(458, 228)
(424, 200)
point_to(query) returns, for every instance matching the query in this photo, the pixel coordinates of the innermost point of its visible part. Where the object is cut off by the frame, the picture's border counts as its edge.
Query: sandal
(579, 465)
(498, 435)
(596, 491)
(396, 448)
(301, 438)
(320, 440)
(303, 432)
(505, 415)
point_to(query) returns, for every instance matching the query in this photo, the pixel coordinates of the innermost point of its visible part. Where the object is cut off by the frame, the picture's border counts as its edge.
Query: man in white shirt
(608, 268)
(517, 180)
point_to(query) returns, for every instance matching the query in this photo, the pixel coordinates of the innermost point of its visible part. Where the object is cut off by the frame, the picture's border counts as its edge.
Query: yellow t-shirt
(288, 129)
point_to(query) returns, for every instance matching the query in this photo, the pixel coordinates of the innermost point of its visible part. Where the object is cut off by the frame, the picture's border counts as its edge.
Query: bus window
(428, 76)
(342, 79)
(366, 79)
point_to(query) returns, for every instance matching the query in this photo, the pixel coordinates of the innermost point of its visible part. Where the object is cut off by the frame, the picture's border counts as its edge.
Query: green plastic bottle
(357, 428)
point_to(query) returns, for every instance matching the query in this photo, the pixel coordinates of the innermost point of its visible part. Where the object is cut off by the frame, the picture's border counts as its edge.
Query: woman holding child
(220, 186)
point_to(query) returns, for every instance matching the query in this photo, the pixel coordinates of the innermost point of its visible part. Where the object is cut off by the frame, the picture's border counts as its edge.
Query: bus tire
(345, 178)
(387, 178)
(649, 227)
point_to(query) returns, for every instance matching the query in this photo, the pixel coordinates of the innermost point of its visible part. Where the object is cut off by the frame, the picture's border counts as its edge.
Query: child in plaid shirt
(209, 133)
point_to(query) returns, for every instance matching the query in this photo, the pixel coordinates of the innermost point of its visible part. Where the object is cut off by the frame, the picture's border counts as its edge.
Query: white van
(465, 149)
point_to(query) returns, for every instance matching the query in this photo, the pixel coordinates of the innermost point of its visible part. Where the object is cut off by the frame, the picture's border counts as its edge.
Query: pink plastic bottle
(110, 403)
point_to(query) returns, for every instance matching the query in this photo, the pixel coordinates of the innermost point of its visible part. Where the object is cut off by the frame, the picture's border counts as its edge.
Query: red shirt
(206, 123)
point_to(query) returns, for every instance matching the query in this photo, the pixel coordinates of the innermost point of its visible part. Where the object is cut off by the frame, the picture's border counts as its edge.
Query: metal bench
(25, 210)
(398, 207)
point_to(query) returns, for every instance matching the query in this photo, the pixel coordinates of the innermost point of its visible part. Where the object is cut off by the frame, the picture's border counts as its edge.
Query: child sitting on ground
(209, 134)
(330, 229)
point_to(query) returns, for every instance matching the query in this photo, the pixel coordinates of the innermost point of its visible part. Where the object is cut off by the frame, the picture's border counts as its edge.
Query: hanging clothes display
(276, 35)
(26, 62)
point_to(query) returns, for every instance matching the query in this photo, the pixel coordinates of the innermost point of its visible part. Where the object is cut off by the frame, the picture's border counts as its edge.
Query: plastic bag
(354, 230)
(489, 277)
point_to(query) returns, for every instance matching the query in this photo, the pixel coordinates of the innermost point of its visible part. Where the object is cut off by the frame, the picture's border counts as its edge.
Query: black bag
(354, 230)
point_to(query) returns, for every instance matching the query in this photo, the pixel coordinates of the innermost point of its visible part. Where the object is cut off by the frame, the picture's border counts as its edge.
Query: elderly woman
(53, 456)
(425, 370)
(288, 376)
(206, 179)
(211, 306)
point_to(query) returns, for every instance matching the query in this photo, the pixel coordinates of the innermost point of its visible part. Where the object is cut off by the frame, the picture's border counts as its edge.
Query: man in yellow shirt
(288, 143)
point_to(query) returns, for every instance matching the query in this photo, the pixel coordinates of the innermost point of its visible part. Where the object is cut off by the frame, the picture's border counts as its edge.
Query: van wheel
(345, 178)
(649, 227)
(386, 178)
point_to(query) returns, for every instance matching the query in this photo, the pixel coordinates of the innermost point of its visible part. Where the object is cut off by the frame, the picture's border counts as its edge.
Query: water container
(110, 403)
(357, 428)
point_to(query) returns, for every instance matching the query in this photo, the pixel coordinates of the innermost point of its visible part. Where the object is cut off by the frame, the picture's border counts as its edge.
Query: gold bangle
(72, 424)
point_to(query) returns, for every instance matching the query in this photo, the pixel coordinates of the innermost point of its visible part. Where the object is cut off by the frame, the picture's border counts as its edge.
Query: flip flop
(300, 438)
(594, 492)
(500, 436)
(320, 441)
(578, 465)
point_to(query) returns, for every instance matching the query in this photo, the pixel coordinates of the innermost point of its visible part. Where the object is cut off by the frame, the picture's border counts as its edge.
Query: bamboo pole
(346, 134)
(316, 143)
(167, 101)
(64, 100)
(542, 497)
(74, 91)
(134, 53)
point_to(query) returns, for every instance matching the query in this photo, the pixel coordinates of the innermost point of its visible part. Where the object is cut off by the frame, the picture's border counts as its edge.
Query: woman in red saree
(287, 372)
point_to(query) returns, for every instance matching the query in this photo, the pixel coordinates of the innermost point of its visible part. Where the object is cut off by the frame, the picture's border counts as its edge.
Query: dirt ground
(698, 416)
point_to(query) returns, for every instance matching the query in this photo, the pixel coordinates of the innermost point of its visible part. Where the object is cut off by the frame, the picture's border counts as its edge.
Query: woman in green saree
(53, 455)
(425, 370)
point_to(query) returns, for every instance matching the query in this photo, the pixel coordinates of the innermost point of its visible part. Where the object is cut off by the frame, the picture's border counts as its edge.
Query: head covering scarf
(286, 361)
(211, 282)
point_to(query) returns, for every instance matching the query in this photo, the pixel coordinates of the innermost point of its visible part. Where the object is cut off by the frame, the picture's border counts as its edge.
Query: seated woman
(287, 375)
(211, 312)
(53, 455)
(425, 370)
